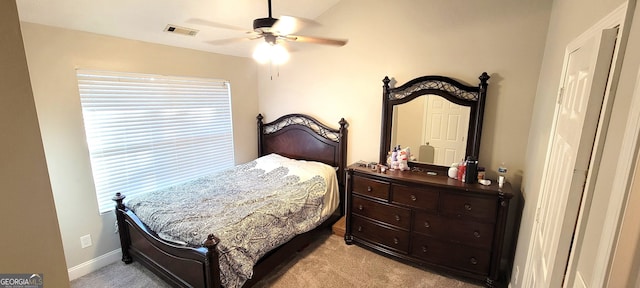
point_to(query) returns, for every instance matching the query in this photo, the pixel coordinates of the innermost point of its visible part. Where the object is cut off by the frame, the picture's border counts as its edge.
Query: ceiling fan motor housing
(263, 24)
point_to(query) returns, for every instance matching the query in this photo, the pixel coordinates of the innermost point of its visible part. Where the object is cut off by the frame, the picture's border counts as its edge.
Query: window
(147, 132)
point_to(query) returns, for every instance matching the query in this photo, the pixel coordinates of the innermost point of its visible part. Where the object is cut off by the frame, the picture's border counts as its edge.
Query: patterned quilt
(252, 208)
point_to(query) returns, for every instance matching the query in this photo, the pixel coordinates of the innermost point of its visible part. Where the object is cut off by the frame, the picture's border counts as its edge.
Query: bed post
(123, 232)
(260, 133)
(343, 163)
(212, 264)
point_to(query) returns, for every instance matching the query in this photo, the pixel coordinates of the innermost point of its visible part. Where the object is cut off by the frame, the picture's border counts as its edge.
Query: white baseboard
(94, 264)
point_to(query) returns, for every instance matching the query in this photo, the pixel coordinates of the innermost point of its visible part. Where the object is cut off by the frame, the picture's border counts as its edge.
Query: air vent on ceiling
(180, 30)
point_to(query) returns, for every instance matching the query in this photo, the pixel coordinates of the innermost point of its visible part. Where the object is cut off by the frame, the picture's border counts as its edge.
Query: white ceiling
(145, 20)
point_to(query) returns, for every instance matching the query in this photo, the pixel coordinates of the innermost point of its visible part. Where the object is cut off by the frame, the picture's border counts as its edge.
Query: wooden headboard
(302, 137)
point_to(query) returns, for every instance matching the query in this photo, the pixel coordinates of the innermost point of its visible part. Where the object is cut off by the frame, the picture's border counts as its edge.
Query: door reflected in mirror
(434, 128)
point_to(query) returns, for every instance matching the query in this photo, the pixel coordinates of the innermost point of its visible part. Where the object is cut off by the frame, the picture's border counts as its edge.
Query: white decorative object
(403, 159)
(453, 172)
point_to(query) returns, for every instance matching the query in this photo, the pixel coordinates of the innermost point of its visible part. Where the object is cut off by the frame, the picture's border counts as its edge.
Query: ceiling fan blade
(317, 40)
(226, 41)
(233, 40)
(204, 22)
(289, 24)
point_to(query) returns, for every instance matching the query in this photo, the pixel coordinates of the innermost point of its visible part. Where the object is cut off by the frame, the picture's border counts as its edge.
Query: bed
(183, 264)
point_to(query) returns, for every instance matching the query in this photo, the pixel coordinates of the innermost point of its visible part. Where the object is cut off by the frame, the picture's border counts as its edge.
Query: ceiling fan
(274, 31)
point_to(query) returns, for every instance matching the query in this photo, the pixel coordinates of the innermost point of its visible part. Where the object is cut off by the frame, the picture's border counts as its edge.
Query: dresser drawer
(465, 207)
(371, 188)
(451, 255)
(392, 215)
(388, 237)
(418, 197)
(469, 233)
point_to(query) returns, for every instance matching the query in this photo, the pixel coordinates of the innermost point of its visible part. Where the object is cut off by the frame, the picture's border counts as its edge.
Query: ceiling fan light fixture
(266, 52)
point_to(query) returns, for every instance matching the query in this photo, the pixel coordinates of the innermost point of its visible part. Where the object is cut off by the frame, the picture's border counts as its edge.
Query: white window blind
(148, 132)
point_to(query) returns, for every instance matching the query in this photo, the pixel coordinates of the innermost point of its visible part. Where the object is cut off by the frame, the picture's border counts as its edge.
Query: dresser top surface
(440, 180)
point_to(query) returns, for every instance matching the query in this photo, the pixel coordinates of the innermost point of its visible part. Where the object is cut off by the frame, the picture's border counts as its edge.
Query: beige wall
(53, 54)
(406, 39)
(30, 241)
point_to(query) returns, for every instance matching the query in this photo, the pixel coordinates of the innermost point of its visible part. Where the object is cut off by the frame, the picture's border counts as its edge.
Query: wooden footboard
(178, 265)
(183, 266)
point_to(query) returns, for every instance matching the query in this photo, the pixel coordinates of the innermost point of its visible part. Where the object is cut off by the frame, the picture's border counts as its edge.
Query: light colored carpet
(120, 275)
(327, 262)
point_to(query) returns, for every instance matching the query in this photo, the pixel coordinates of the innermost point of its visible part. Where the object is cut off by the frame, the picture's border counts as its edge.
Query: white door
(571, 143)
(446, 129)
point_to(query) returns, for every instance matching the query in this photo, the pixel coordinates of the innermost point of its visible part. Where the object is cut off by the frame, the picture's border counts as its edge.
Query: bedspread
(252, 208)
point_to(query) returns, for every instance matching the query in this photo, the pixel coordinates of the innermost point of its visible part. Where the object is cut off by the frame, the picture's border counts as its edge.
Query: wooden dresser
(429, 220)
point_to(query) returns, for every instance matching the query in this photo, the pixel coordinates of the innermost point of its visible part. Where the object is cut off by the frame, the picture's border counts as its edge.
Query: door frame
(625, 264)
(621, 18)
(617, 18)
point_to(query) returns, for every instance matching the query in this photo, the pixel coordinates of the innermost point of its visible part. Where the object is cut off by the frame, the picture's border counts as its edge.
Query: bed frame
(296, 136)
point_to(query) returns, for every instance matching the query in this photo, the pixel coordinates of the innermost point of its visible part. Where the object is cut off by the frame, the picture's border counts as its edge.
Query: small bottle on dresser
(502, 174)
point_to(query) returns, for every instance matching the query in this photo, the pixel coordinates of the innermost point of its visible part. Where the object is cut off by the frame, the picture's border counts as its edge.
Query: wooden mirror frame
(450, 89)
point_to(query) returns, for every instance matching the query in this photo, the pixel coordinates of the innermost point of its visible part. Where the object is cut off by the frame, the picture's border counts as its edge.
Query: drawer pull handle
(476, 234)
(413, 198)
(397, 217)
(360, 207)
(424, 249)
(473, 261)
(369, 189)
(467, 206)
(427, 224)
(395, 240)
(359, 228)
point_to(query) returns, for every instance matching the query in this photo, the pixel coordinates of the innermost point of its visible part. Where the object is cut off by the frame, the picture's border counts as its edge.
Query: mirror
(439, 118)
(434, 128)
